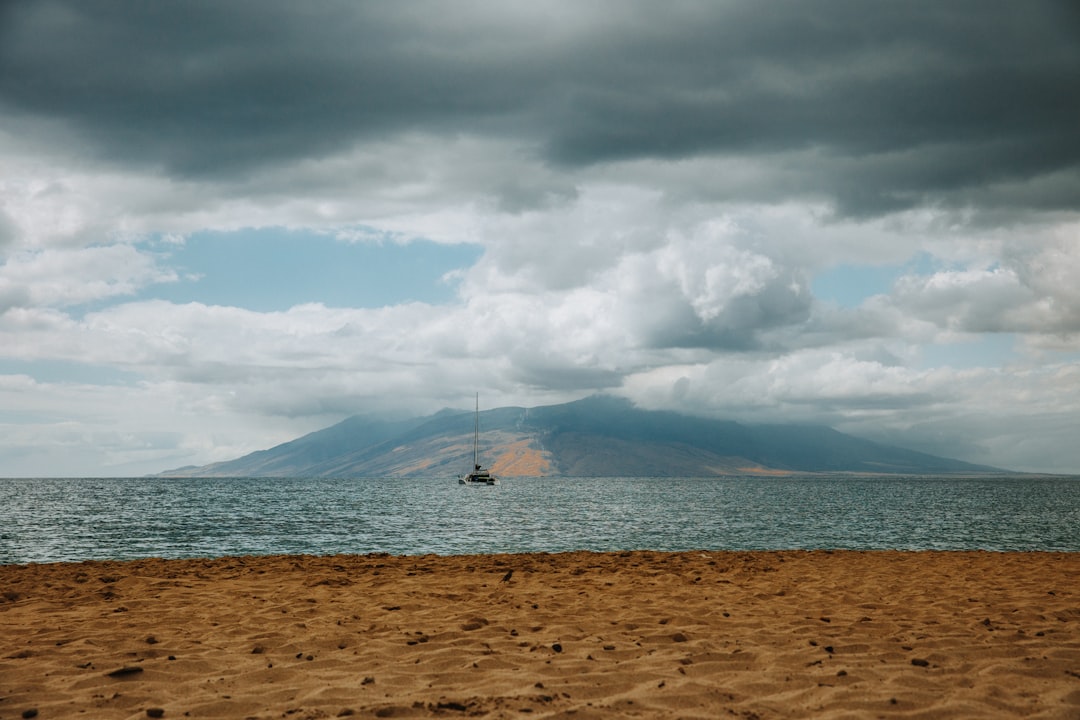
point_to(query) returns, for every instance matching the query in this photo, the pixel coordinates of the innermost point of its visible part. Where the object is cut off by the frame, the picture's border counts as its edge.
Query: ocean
(50, 520)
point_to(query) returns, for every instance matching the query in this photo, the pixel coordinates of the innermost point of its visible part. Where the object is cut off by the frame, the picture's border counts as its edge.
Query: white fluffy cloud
(74, 276)
(1030, 289)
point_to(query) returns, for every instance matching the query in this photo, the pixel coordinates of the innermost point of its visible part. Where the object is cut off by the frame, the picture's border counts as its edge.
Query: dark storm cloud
(207, 88)
(875, 107)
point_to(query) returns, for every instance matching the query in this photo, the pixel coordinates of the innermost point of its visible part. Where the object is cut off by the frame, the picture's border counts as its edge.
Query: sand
(581, 635)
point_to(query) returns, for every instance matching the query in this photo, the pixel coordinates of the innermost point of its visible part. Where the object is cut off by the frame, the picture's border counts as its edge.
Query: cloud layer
(655, 191)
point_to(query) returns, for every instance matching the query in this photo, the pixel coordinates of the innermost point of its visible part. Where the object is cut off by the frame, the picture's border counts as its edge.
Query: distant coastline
(600, 436)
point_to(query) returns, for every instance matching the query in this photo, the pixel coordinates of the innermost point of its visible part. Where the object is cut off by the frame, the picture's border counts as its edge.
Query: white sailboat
(478, 476)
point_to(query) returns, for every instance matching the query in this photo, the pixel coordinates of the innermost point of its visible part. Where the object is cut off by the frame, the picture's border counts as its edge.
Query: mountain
(597, 436)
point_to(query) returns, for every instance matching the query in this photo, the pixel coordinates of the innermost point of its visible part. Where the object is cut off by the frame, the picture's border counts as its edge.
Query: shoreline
(768, 634)
(499, 558)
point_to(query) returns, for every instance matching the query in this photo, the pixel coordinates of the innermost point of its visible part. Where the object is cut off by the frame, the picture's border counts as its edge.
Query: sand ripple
(582, 635)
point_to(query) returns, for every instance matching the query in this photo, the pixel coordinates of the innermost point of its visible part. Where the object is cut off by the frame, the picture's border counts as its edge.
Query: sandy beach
(582, 635)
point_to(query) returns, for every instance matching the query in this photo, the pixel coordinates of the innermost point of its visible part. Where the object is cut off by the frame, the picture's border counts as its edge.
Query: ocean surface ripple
(50, 520)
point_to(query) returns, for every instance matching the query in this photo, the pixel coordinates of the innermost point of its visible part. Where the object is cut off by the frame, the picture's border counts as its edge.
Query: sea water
(47, 520)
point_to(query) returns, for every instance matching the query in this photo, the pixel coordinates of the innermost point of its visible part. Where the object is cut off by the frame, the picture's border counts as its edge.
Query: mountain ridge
(598, 436)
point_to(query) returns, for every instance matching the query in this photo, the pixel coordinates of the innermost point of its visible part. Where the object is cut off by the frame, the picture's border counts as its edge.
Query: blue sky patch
(850, 285)
(273, 269)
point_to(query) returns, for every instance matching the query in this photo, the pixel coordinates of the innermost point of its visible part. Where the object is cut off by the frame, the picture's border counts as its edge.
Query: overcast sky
(226, 224)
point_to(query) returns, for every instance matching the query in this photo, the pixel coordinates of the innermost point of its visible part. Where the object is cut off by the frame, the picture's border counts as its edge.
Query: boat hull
(478, 479)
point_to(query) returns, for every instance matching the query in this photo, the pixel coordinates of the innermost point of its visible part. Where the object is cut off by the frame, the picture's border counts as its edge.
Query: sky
(225, 225)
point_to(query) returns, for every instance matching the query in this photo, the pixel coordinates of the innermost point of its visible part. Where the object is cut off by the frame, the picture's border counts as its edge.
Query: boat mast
(476, 435)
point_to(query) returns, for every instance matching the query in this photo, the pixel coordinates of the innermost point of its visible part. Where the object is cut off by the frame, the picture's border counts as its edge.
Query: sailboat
(478, 476)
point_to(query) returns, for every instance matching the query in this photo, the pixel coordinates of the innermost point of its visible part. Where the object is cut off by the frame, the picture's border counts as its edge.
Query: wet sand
(581, 635)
